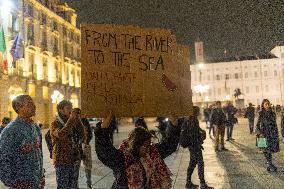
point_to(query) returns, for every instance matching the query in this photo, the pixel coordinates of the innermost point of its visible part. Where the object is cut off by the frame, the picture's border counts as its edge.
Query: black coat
(114, 158)
(266, 125)
(218, 117)
(250, 113)
(195, 138)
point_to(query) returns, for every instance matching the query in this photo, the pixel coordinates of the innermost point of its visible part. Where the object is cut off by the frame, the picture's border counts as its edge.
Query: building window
(266, 88)
(247, 89)
(45, 69)
(255, 74)
(45, 92)
(219, 91)
(55, 26)
(227, 76)
(43, 19)
(265, 74)
(246, 75)
(236, 76)
(30, 10)
(32, 89)
(218, 77)
(30, 34)
(208, 77)
(275, 73)
(257, 89)
(44, 41)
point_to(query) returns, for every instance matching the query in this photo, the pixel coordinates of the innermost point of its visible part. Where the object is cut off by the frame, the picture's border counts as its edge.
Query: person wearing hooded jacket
(137, 163)
(65, 151)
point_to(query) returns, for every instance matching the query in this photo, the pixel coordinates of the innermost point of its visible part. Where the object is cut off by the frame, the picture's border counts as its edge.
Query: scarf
(61, 118)
(149, 172)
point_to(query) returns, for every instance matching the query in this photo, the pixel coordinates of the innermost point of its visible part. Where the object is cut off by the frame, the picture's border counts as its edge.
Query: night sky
(243, 28)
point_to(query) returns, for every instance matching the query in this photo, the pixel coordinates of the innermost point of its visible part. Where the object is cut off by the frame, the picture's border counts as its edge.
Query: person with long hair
(266, 127)
(137, 163)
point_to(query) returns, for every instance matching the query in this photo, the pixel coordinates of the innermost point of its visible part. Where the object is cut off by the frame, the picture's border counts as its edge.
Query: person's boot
(205, 186)
(190, 185)
(271, 168)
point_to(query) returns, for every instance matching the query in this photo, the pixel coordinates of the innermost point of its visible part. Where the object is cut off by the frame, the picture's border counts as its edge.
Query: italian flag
(3, 54)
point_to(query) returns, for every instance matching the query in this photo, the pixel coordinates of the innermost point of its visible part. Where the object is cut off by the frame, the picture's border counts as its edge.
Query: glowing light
(6, 8)
(200, 65)
(207, 99)
(201, 88)
(228, 97)
(57, 96)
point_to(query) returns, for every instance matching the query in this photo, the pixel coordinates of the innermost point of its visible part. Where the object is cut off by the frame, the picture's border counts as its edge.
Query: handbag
(261, 142)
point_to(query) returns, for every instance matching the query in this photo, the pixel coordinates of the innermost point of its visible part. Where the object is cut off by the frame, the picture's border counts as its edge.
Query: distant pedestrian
(195, 148)
(21, 159)
(218, 120)
(138, 163)
(211, 126)
(230, 112)
(250, 115)
(113, 126)
(266, 127)
(5, 122)
(140, 122)
(87, 152)
(65, 151)
(206, 113)
(282, 125)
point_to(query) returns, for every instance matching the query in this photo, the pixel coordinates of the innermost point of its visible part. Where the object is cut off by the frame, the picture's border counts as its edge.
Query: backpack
(184, 139)
(49, 142)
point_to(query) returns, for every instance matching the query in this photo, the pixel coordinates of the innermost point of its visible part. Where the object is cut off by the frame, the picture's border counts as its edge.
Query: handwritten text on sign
(129, 70)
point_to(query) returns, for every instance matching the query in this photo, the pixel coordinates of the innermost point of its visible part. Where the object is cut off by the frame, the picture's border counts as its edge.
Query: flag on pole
(3, 54)
(199, 53)
(17, 50)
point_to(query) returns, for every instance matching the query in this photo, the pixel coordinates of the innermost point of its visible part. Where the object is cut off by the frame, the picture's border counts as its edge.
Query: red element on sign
(26, 148)
(168, 83)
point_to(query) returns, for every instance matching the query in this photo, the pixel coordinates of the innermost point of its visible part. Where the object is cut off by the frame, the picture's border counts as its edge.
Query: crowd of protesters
(137, 163)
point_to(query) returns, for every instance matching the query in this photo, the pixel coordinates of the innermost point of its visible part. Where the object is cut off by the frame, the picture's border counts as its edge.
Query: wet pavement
(242, 167)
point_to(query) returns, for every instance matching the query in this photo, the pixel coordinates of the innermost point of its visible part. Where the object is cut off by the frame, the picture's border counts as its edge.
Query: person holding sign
(266, 128)
(138, 163)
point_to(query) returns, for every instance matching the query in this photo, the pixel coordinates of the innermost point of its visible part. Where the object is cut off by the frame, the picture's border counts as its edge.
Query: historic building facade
(50, 70)
(257, 79)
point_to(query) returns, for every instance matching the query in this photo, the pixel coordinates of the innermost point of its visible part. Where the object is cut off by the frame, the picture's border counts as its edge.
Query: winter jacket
(218, 117)
(21, 159)
(266, 125)
(65, 149)
(114, 158)
(195, 135)
(250, 113)
(230, 112)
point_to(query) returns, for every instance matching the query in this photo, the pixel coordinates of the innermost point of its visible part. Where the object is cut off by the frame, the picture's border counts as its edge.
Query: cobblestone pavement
(242, 167)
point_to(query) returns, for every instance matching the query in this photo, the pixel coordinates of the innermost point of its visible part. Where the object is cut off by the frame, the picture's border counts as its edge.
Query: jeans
(211, 128)
(230, 127)
(65, 176)
(251, 125)
(196, 158)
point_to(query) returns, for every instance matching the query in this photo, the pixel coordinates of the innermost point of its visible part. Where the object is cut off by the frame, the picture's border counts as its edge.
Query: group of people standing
(21, 157)
(137, 163)
(219, 118)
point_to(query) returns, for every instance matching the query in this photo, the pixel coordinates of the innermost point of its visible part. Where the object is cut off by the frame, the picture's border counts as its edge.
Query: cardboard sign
(133, 71)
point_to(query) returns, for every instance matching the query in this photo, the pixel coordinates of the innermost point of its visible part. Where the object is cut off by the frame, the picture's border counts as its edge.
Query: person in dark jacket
(218, 120)
(140, 122)
(230, 112)
(195, 149)
(250, 115)
(282, 125)
(137, 163)
(87, 152)
(266, 126)
(113, 126)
